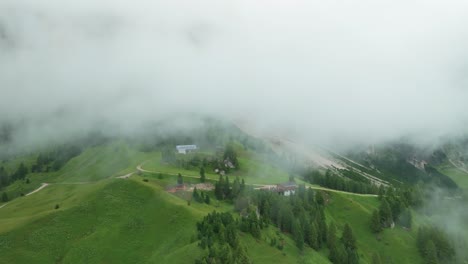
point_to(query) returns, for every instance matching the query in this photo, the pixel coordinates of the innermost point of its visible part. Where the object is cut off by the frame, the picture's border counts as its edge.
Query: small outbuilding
(286, 188)
(184, 149)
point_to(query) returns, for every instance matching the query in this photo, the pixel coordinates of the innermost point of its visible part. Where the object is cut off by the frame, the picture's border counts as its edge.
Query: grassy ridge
(458, 176)
(101, 162)
(108, 220)
(252, 168)
(124, 222)
(393, 245)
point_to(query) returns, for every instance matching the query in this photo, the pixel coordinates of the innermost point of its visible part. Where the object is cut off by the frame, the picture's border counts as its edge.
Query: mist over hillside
(179, 131)
(333, 73)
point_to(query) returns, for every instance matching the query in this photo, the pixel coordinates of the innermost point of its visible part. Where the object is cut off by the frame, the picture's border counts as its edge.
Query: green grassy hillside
(102, 219)
(456, 174)
(395, 245)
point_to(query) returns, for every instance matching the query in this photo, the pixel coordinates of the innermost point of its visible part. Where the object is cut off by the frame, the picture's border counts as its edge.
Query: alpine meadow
(233, 132)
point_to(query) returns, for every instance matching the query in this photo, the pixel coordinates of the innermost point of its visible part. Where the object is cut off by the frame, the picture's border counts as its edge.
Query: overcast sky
(354, 70)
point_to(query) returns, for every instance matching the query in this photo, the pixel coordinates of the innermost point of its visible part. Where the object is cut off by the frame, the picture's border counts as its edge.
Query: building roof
(287, 184)
(186, 147)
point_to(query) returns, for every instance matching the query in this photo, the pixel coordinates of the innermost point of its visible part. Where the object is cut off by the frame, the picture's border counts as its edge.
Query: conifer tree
(348, 239)
(202, 174)
(376, 225)
(5, 197)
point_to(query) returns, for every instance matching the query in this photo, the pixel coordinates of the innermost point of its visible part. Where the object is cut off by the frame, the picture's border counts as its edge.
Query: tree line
(218, 237)
(395, 207)
(226, 160)
(224, 190)
(301, 215)
(348, 182)
(7, 179)
(56, 159)
(434, 245)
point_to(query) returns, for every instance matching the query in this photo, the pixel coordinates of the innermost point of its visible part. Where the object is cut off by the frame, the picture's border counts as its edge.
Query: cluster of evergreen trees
(251, 223)
(434, 245)
(201, 196)
(54, 160)
(5, 197)
(343, 251)
(218, 235)
(224, 190)
(192, 161)
(395, 208)
(19, 174)
(351, 182)
(303, 216)
(231, 155)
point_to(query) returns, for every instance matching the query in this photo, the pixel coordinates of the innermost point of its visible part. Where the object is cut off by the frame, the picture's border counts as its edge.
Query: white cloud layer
(351, 70)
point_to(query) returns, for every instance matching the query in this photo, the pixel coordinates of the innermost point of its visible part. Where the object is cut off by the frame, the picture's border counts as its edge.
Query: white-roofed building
(184, 149)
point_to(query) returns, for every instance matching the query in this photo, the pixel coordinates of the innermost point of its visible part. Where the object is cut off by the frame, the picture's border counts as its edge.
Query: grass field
(252, 169)
(458, 176)
(393, 245)
(102, 219)
(124, 222)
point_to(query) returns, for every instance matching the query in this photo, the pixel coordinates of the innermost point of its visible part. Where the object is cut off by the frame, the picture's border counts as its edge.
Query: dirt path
(125, 176)
(261, 185)
(139, 168)
(38, 189)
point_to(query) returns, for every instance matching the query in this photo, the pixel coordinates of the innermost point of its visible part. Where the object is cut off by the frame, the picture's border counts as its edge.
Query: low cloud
(326, 71)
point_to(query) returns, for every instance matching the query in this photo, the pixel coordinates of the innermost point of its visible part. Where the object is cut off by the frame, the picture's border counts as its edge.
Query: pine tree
(333, 254)
(5, 197)
(313, 236)
(180, 180)
(21, 171)
(219, 186)
(385, 213)
(207, 199)
(242, 185)
(381, 192)
(341, 255)
(331, 236)
(202, 174)
(319, 198)
(430, 253)
(3, 177)
(352, 256)
(376, 225)
(297, 234)
(348, 239)
(235, 188)
(196, 195)
(406, 218)
(321, 227)
(227, 188)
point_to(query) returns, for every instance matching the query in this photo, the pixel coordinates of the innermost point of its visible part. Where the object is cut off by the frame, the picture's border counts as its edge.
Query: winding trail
(43, 185)
(139, 168)
(125, 176)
